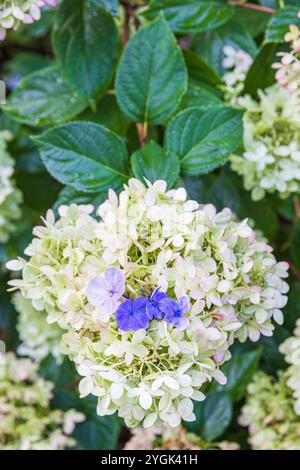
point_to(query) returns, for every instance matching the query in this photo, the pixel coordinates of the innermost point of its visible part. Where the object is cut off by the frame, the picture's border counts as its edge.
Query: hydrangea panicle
(271, 158)
(166, 438)
(236, 64)
(15, 12)
(26, 420)
(195, 281)
(38, 337)
(10, 196)
(272, 409)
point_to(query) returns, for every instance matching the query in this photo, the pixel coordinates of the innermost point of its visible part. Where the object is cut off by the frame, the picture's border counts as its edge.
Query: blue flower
(174, 311)
(131, 314)
(153, 307)
(106, 291)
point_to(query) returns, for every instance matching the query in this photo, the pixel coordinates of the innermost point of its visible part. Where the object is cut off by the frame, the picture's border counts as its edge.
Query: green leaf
(200, 96)
(191, 16)
(111, 6)
(108, 114)
(85, 44)
(69, 195)
(152, 76)
(295, 243)
(204, 140)
(239, 371)
(292, 310)
(261, 74)
(33, 189)
(27, 156)
(254, 22)
(199, 70)
(42, 98)
(210, 45)
(61, 375)
(153, 162)
(97, 432)
(24, 63)
(279, 24)
(84, 155)
(213, 416)
(272, 358)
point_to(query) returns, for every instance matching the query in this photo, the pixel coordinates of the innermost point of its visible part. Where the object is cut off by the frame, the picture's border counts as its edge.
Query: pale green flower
(159, 239)
(269, 414)
(26, 420)
(15, 12)
(10, 196)
(271, 158)
(291, 350)
(272, 410)
(38, 338)
(166, 438)
(236, 64)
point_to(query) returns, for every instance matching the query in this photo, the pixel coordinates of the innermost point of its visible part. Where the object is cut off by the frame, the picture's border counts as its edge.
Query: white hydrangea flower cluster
(272, 410)
(271, 159)
(236, 63)
(166, 438)
(158, 239)
(26, 420)
(38, 337)
(288, 69)
(269, 414)
(291, 350)
(10, 196)
(15, 12)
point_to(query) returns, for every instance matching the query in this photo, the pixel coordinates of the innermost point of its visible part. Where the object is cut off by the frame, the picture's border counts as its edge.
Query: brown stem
(252, 6)
(126, 27)
(296, 203)
(142, 130)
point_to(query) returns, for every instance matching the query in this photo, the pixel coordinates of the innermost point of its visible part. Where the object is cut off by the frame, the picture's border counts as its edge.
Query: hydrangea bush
(271, 160)
(10, 196)
(38, 337)
(26, 422)
(272, 410)
(166, 438)
(150, 217)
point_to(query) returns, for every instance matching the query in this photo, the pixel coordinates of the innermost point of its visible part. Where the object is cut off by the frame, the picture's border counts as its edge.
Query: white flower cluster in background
(10, 196)
(269, 414)
(204, 268)
(271, 158)
(272, 409)
(166, 438)
(291, 350)
(38, 337)
(236, 64)
(26, 420)
(15, 12)
(288, 69)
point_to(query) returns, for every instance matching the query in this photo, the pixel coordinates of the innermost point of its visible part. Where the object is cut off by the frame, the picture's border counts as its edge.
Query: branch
(252, 6)
(142, 130)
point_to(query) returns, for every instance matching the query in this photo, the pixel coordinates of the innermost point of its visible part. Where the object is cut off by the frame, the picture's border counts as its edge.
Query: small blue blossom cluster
(107, 291)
